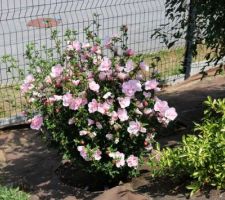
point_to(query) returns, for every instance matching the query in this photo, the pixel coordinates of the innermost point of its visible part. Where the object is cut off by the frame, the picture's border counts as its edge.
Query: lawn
(10, 101)
(169, 62)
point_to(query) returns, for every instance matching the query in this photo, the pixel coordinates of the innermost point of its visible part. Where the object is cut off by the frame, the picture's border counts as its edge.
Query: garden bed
(27, 163)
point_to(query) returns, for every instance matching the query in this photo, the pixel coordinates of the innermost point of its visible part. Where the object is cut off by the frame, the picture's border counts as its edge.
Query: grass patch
(169, 62)
(10, 101)
(12, 194)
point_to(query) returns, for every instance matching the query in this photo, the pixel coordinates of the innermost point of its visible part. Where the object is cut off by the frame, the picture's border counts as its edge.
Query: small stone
(70, 198)
(2, 156)
(34, 197)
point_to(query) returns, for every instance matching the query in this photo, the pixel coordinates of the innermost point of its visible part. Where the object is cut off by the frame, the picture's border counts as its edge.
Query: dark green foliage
(209, 25)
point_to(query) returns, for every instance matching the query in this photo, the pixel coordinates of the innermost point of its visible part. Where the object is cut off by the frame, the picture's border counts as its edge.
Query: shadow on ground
(31, 165)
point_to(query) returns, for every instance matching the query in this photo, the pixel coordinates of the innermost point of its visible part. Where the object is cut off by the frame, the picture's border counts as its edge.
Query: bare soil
(26, 161)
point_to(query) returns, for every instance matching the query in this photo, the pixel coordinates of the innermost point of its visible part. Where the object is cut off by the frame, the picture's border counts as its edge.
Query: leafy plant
(200, 157)
(12, 194)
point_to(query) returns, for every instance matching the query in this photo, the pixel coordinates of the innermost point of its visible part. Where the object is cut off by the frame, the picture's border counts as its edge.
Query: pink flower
(76, 82)
(76, 45)
(152, 85)
(48, 79)
(132, 161)
(94, 86)
(118, 158)
(93, 106)
(109, 136)
(122, 76)
(122, 114)
(97, 155)
(96, 49)
(148, 111)
(113, 116)
(75, 103)
(57, 97)
(107, 42)
(144, 67)
(171, 113)
(99, 125)
(147, 94)
(67, 98)
(105, 65)
(161, 106)
(103, 108)
(102, 76)
(83, 152)
(129, 52)
(90, 122)
(124, 102)
(56, 71)
(129, 66)
(130, 87)
(83, 132)
(36, 122)
(90, 75)
(135, 127)
(29, 79)
(25, 87)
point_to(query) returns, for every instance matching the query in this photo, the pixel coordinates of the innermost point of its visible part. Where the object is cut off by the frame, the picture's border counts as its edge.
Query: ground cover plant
(200, 158)
(96, 101)
(12, 194)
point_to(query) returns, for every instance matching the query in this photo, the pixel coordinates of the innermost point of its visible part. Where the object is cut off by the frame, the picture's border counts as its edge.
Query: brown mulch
(27, 162)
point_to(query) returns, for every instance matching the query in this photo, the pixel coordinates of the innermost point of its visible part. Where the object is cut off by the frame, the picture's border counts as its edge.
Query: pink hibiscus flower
(94, 86)
(130, 87)
(122, 114)
(124, 102)
(56, 71)
(93, 106)
(132, 161)
(171, 113)
(105, 65)
(36, 122)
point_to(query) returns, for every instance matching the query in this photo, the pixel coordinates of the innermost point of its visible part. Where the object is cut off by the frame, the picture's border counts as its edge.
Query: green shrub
(201, 157)
(101, 112)
(12, 194)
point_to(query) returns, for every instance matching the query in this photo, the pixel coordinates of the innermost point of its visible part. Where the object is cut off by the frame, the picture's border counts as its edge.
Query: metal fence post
(190, 37)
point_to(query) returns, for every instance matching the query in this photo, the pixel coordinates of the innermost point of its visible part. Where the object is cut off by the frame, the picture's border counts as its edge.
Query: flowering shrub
(101, 111)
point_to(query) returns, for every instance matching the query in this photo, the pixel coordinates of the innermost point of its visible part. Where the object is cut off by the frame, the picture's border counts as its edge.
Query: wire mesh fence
(16, 30)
